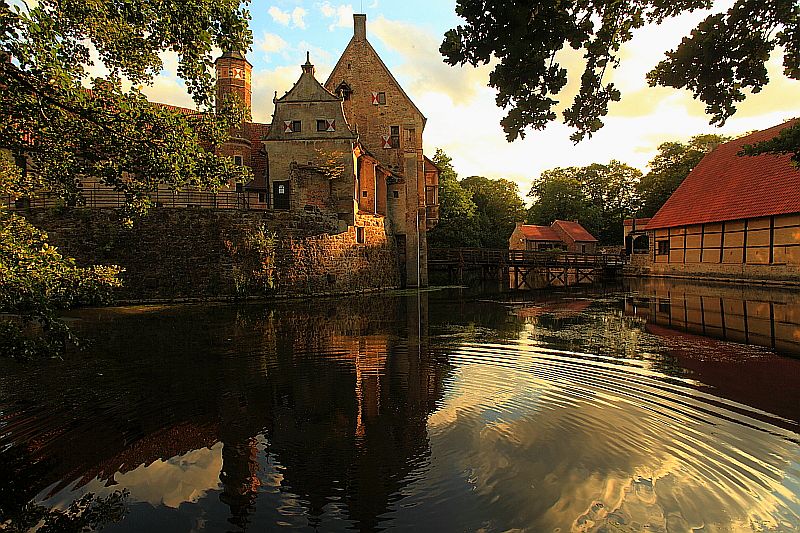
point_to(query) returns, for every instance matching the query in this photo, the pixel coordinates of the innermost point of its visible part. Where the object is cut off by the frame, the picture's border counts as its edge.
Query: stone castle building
(351, 147)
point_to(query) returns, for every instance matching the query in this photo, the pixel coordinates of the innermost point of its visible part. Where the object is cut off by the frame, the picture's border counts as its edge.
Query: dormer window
(344, 90)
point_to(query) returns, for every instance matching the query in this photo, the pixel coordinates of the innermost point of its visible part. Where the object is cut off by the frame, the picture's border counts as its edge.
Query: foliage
(558, 195)
(88, 513)
(475, 212)
(254, 271)
(35, 283)
(724, 55)
(498, 209)
(457, 226)
(599, 196)
(669, 168)
(786, 142)
(64, 134)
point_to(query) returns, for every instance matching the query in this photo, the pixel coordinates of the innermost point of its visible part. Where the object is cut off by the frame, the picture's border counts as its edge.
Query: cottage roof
(539, 233)
(725, 186)
(575, 230)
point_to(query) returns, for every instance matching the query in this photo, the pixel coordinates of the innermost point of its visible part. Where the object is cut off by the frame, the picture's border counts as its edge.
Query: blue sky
(462, 116)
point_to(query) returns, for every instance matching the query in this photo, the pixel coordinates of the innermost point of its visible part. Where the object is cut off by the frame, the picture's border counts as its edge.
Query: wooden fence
(106, 198)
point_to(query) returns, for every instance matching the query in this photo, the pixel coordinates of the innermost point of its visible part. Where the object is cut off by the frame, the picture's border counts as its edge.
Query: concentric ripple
(397, 413)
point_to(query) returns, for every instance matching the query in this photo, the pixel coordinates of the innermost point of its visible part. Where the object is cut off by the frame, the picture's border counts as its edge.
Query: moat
(655, 406)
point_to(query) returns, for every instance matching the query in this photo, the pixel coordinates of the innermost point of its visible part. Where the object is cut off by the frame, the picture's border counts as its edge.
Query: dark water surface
(614, 410)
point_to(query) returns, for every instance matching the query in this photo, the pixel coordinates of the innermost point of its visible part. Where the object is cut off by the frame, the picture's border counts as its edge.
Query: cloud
(270, 43)
(342, 14)
(296, 17)
(281, 17)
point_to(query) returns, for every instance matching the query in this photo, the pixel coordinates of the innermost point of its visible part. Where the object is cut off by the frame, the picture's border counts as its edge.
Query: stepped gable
(726, 186)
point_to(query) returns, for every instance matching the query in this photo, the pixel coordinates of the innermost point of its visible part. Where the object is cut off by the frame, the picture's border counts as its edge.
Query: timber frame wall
(752, 247)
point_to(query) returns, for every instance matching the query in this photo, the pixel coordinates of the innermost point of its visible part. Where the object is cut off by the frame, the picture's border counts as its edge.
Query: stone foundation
(175, 254)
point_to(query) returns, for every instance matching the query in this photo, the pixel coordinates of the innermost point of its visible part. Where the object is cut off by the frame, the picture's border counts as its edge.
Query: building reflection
(335, 392)
(757, 316)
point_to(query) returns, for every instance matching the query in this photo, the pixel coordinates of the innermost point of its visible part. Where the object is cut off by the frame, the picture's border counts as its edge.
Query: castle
(350, 147)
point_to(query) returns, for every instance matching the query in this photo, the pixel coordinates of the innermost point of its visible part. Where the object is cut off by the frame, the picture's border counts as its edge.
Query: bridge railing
(482, 256)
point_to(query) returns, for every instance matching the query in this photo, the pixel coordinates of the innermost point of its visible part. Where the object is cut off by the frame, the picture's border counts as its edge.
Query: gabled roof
(539, 233)
(308, 89)
(725, 186)
(575, 230)
(430, 162)
(366, 42)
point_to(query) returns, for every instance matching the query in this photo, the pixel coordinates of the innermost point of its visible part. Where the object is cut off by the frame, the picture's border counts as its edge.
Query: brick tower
(234, 78)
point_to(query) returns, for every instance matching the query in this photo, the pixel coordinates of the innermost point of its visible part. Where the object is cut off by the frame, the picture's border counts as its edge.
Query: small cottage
(564, 235)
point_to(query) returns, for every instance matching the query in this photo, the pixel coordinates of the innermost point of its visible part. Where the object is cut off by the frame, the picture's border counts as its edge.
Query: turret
(234, 77)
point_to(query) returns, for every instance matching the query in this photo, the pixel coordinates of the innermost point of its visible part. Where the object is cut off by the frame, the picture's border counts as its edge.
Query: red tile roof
(724, 186)
(540, 233)
(575, 230)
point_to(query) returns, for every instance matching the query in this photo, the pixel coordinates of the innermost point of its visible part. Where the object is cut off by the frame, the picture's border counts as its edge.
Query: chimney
(360, 26)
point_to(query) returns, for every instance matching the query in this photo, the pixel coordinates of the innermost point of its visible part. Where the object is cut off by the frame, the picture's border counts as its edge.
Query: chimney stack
(360, 26)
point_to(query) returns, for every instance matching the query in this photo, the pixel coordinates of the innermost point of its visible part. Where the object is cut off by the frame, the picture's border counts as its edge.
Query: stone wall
(174, 254)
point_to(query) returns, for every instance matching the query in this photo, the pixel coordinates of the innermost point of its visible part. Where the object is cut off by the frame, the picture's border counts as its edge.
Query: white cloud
(342, 15)
(281, 17)
(298, 18)
(270, 44)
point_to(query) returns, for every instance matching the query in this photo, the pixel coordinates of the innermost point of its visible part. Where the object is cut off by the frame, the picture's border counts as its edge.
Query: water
(632, 408)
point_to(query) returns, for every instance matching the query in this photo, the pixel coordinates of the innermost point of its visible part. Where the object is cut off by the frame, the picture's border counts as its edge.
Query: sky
(463, 119)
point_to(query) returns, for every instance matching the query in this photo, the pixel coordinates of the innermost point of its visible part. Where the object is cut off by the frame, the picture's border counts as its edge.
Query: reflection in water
(563, 412)
(762, 317)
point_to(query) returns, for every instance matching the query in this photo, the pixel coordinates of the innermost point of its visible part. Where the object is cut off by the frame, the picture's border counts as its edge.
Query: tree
(457, 223)
(724, 56)
(599, 196)
(669, 168)
(65, 132)
(558, 194)
(499, 207)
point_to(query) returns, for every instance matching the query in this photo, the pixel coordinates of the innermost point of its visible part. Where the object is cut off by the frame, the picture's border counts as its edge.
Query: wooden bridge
(524, 269)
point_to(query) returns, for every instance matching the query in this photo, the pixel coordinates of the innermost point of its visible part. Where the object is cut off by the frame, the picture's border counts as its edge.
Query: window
(262, 197)
(364, 194)
(344, 90)
(239, 186)
(361, 236)
(394, 138)
(663, 247)
(324, 124)
(297, 126)
(379, 98)
(281, 189)
(237, 159)
(395, 194)
(409, 137)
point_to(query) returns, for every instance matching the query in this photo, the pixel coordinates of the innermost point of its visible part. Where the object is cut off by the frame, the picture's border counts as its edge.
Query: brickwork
(390, 126)
(187, 253)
